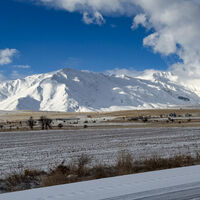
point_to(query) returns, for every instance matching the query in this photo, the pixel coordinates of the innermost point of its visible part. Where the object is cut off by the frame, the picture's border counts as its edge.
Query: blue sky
(48, 39)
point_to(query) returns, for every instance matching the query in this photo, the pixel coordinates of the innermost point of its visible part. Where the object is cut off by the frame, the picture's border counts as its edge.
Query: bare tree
(45, 122)
(31, 123)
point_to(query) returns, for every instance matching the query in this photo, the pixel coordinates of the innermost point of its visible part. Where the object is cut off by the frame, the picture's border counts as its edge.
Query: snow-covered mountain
(72, 90)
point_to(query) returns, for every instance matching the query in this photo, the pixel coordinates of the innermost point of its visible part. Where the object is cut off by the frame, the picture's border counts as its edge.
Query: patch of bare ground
(24, 115)
(18, 121)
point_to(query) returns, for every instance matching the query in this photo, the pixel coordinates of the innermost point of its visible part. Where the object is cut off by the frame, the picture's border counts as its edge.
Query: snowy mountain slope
(191, 83)
(72, 90)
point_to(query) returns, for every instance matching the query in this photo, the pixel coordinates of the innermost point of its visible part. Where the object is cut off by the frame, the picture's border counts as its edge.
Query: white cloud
(176, 31)
(139, 19)
(93, 10)
(163, 43)
(95, 18)
(6, 55)
(87, 18)
(2, 77)
(105, 6)
(175, 24)
(22, 66)
(16, 75)
(131, 72)
(147, 74)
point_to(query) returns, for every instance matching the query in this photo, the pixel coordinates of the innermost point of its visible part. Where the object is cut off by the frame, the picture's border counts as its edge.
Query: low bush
(24, 180)
(125, 163)
(81, 170)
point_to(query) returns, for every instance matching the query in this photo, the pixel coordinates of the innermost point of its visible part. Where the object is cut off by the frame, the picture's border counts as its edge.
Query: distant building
(172, 114)
(188, 115)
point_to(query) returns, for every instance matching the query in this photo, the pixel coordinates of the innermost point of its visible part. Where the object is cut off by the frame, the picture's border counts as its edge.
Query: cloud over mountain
(174, 25)
(176, 31)
(6, 55)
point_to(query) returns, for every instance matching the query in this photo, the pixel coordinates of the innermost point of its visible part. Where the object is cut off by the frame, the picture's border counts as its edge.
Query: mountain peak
(73, 90)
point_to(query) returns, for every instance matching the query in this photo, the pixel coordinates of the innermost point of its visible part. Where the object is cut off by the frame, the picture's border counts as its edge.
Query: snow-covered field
(42, 149)
(179, 184)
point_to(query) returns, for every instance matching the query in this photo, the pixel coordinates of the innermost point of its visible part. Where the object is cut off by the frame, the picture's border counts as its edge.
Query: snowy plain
(129, 187)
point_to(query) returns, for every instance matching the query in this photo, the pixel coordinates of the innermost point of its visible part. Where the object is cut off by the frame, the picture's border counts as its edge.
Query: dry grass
(25, 115)
(100, 171)
(22, 180)
(68, 173)
(120, 117)
(124, 163)
(79, 170)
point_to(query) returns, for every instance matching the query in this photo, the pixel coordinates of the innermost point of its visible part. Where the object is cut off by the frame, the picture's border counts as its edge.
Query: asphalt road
(182, 192)
(172, 184)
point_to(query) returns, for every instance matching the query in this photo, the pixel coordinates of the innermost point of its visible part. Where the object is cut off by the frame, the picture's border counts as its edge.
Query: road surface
(180, 184)
(182, 192)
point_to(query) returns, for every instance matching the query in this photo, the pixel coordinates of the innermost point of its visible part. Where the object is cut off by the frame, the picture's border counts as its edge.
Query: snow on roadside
(111, 187)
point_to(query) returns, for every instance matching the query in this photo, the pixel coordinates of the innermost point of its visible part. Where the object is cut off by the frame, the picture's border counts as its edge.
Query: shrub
(124, 163)
(45, 122)
(31, 123)
(85, 126)
(24, 180)
(82, 161)
(79, 170)
(60, 125)
(99, 171)
(56, 178)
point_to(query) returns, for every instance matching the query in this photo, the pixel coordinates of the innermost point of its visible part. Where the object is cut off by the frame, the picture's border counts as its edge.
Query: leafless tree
(45, 123)
(31, 123)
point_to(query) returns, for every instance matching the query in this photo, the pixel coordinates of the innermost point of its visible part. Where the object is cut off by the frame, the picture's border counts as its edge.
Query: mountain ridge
(80, 91)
